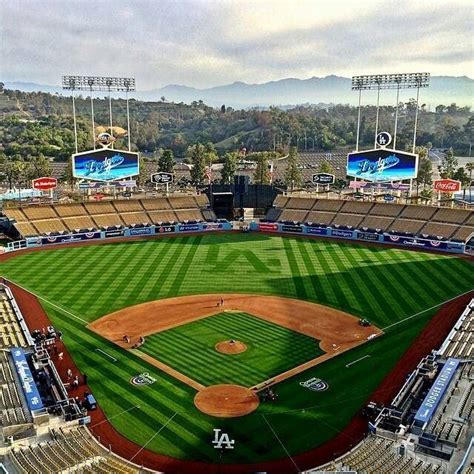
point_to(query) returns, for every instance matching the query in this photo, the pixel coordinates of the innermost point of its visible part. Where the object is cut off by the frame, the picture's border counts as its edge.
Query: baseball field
(397, 290)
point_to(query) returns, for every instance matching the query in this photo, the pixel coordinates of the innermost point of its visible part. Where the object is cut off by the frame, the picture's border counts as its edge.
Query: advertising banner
(114, 233)
(45, 183)
(57, 239)
(291, 228)
(188, 227)
(105, 165)
(161, 178)
(370, 236)
(268, 227)
(141, 231)
(382, 165)
(316, 231)
(212, 226)
(323, 178)
(26, 378)
(436, 392)
(357, 184)
(414, 242)
(348, 234)
(165, 229)
(447, 185)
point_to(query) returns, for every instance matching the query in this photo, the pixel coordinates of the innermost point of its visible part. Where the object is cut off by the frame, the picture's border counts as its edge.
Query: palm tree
(470, 167)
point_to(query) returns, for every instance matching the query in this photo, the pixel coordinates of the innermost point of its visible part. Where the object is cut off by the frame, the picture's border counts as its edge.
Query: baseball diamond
(294, 303)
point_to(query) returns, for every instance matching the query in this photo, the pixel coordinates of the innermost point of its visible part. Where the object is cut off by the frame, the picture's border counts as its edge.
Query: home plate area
(230, 347)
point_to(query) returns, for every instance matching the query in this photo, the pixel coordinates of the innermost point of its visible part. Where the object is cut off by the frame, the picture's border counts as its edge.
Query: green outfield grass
(271, 349)
(81, 284)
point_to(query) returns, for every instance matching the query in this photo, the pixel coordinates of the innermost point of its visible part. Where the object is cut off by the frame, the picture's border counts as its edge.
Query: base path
(226, 401)
(335, 330)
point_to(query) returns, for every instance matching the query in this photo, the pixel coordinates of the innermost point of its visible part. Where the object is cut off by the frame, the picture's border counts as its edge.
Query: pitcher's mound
(226, 401)
(230, 347)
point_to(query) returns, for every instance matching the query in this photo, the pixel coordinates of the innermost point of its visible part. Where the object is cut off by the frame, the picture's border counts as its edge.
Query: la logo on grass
(222, 441)
(223, 261)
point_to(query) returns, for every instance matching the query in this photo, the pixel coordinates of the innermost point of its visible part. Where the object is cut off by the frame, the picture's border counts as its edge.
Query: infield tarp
(26, 378)
(436, 393)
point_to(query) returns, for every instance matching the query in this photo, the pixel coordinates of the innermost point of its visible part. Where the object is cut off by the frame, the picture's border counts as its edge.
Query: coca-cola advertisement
(447, 185)
(45, 183)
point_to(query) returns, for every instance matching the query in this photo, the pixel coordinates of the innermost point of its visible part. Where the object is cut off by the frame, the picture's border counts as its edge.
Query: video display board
(105, 165)
(382, 165)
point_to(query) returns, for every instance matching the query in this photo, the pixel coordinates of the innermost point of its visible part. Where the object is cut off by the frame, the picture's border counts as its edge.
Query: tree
(425, 168)
(40, 166)
(326, 167)
(470, 168)
(143, 176)
(293, 175)
(448, 165)
(166, 161)
(262, 173)
(197, 155)
(461, 175)
(229, 168)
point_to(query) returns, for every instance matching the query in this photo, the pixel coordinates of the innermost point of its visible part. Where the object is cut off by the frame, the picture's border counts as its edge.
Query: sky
(205, 43)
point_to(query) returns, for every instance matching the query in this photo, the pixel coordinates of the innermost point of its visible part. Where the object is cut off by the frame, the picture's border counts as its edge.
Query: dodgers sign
(382, 165)
(105, 165)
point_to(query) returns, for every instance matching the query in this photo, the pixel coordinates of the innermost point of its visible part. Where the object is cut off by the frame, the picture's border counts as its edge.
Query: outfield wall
(148, 231)
(391, 239)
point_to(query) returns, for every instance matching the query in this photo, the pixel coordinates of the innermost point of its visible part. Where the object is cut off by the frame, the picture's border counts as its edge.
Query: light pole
(100, 83)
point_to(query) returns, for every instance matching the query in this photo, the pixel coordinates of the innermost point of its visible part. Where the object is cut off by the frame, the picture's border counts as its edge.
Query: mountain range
(290, 91)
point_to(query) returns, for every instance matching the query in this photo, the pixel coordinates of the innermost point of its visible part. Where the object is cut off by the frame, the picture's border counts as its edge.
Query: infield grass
(382, 284)
(271, 349)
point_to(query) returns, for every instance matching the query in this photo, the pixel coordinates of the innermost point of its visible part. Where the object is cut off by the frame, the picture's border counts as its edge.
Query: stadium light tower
(390, 81)
(100, 83)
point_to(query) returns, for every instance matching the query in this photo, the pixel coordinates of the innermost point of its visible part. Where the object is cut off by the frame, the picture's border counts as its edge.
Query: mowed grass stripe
(297, 280)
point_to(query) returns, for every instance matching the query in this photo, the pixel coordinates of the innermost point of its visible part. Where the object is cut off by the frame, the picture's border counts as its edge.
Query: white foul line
(357, 360)
(425, 310)
(51, 303)
(282, 445)
(115, 416)
(105, 353)
(151, 439)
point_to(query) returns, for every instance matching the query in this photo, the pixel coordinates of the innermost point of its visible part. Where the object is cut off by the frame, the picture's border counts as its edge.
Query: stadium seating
(424, 221)
(65, 218)
(67, 451)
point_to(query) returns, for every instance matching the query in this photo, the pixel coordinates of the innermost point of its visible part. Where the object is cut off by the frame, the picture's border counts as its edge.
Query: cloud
(205, 43)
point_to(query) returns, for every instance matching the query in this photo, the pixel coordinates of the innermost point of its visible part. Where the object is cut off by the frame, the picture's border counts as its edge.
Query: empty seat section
(328, 205)
(454, 216)
(70, 210)
(158, 217)
(294, 216)
(470, 221)
(355, 207)
(182, 202)
(280, 201)
(50, 225)
(26, 229)
(155, 204)
(78, 223)
(439, 230)
(348, 220)
(418, 212)
(377, 223)
(324, 218)
(463, 233)
(107, 220)
(202, 200)
(128, 206)
(382, 209)
(189, 215)
(209, 215)
(15, 214)
(408, 226)
(132, 218)
(104, 207)
(40, 212)
(300, 203)
(273, 214)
